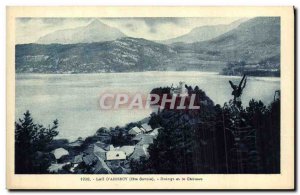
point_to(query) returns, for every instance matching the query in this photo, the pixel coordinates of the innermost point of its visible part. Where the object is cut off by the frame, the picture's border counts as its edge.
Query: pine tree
(31, 141)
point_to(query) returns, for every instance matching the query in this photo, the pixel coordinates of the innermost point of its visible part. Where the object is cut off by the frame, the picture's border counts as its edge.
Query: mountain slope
(96, 31)
(204, 33)
(121, 55)
(252, 41)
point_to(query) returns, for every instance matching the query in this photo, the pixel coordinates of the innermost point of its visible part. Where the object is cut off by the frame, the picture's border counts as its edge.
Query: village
(103, 158)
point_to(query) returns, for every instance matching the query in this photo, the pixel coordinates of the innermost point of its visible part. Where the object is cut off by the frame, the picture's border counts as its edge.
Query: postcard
(150, 98)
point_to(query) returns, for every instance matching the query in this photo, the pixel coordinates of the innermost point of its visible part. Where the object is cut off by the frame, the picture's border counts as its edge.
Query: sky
(29, 30)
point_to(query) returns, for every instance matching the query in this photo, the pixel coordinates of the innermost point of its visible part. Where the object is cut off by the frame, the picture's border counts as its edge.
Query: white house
(115, 155)
(127, 149)
(134, 131)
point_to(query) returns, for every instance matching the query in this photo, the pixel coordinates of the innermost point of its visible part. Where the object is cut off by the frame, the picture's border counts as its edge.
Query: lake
(73, 99)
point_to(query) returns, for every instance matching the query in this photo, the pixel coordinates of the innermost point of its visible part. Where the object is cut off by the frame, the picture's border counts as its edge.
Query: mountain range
(254, 40)
(204, 33)
(100, 48)
(121, 55)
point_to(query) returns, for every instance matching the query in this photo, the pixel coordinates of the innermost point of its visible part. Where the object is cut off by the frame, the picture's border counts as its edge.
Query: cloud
(29, 30)
(131, 27)
(155, 23)
(149, 24)
(159, 21)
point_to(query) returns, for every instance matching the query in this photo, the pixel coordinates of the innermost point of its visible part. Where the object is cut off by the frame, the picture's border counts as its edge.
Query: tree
(31, 141)
(215, 139)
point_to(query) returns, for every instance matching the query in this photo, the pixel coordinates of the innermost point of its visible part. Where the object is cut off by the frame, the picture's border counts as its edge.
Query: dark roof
(89, 159)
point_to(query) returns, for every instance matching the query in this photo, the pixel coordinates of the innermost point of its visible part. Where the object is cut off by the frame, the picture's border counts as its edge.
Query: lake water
(73, 99)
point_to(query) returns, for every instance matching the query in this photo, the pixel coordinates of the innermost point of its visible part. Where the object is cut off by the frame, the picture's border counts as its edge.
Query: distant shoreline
(171, 71)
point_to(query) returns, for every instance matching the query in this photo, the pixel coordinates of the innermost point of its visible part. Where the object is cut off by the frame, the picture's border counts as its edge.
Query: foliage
(218, 140)
(31, 140)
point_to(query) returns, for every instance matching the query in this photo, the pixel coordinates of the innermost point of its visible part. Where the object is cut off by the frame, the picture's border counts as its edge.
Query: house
(115, 158)
(99, 152)
(102, 145)
(137, 138)
(135, 131)
(59, 152)
(128, 150)
(146, 128)
(78, 159)
(76, 143)
(146, 140)
(115, 155)
(97, 165)
(143, 139)
(101, 167)
(139, 151)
